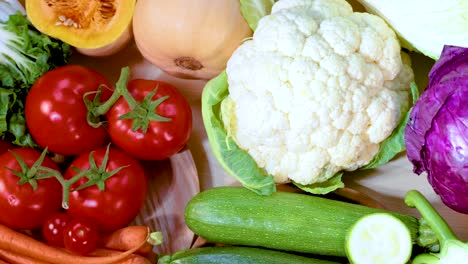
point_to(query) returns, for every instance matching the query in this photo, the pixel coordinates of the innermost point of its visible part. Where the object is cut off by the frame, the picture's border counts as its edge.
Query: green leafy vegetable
(323, 187)
(234, 160)
(25, 55)
(254, 10)
(395, 143)
(424, 26)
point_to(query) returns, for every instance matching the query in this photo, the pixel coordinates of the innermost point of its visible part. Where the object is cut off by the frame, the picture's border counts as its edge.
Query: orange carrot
(3, 262)
(19, 243)
(132, 259)
(15, 258)
(127, 238)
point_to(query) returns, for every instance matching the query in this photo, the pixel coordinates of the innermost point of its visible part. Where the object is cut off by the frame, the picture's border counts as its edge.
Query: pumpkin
(111, 48)
(86, 24)
(190, 39)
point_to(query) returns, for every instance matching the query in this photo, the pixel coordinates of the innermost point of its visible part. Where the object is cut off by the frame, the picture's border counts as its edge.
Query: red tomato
(123, 195)
(80, 236)
(53, 228)
(162, 139)
(22, 207)
(5, 146)
(56, 113)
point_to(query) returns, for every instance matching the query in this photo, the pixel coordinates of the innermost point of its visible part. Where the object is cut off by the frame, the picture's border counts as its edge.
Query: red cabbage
(435, 134)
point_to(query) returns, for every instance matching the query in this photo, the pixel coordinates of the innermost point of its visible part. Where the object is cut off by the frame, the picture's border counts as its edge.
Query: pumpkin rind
(110, 49)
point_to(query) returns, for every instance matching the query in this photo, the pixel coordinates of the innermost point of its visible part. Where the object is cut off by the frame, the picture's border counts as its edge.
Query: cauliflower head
(316, 90)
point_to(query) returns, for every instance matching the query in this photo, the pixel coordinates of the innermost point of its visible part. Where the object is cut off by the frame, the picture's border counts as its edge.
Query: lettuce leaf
(254, 10)
(323, 187)
(237, 162)
(25, 55)
(395, 143)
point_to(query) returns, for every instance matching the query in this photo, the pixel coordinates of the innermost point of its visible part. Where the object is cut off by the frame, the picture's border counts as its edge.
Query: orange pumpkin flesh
(187, 38)
(84, 24)
(110, 49)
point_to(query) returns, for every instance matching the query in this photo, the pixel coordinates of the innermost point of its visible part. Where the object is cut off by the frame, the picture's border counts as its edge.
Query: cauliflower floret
(316, 90)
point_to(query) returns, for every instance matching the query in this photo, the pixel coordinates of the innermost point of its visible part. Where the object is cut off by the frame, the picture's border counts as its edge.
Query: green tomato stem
(120, 90)
(30, 174)
(66, 184)
(444, 233)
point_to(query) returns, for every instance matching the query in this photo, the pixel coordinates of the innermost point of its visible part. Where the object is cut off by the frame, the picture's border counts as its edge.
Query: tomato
(53, 228)
(123, 195)
(162, 138)
(80, 236)
(5, 145)
(21, 206)
(56, 114)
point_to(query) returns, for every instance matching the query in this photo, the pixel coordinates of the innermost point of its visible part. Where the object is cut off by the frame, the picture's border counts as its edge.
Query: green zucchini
(379, 239)
(282, 220)
(236, 255)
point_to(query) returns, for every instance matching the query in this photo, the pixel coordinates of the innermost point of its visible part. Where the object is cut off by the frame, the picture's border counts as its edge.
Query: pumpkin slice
(86, 24)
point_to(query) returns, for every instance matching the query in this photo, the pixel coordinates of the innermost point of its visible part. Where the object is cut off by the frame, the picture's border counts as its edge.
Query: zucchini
(379, 238)
(283, 221)
(236, 255)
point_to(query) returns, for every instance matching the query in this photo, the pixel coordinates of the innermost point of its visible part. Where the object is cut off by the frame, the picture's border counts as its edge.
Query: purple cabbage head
(436, 135)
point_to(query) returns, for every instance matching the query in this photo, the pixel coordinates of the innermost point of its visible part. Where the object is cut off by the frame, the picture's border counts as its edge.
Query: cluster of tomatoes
(103, 185)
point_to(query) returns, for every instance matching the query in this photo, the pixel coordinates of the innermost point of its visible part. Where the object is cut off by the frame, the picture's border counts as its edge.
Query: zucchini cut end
(378, 238)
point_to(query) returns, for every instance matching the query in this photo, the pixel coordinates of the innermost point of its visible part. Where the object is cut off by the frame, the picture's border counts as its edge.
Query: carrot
(132, 259)
(15, 258)
(3, 262)
(19, 243)
(127, 238)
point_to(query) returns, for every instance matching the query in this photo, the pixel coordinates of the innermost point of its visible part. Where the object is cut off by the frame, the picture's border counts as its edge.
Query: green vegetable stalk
(25, 55)
(452, 250)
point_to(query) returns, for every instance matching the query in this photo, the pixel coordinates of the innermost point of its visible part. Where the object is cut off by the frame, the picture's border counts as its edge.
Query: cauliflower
(316, 90)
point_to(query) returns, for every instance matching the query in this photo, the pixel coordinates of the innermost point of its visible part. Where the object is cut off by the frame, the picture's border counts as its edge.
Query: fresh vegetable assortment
(84, 202)
(25, 55)
(16, 245)
(283, 221)
(298, 93)
(299, 222)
